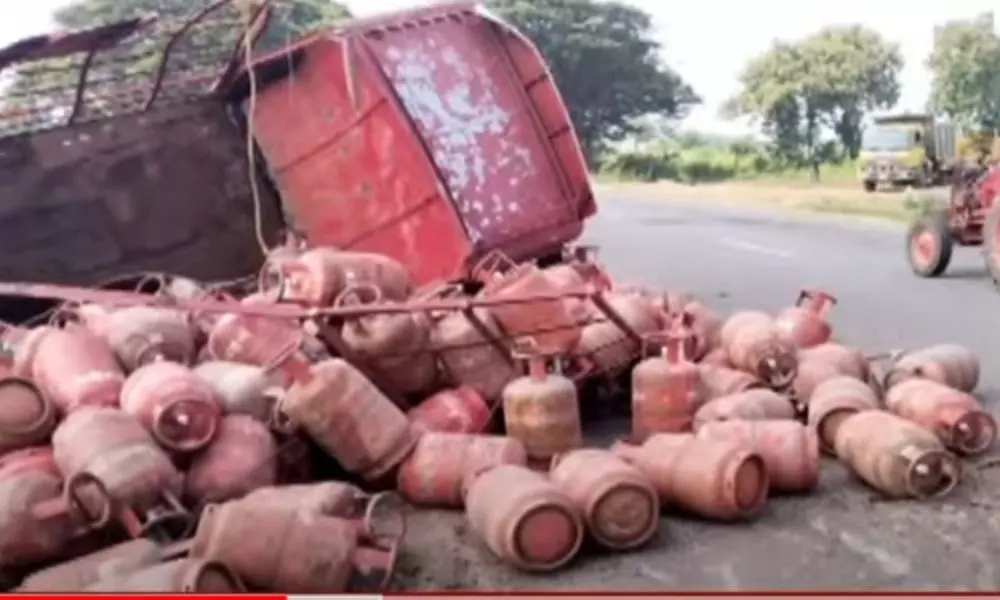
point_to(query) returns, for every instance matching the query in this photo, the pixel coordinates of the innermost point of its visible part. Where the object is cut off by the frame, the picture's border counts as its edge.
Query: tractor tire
(870, 186)
(991, 244)
(929, 245)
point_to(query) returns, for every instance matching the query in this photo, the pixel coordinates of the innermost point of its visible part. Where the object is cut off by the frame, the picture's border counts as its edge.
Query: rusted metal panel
(165, 190)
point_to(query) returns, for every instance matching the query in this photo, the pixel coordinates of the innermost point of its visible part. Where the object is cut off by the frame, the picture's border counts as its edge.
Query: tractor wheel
(991, 244)
(870, 186)
(929, 245)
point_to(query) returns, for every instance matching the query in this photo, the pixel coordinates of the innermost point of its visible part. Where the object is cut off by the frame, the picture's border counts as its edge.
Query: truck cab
(897, 152)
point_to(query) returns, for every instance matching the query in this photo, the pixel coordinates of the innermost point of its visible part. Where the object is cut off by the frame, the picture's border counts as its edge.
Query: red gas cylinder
(435, 471)
(177, 406)
(833, 401)
(548, 323)
(811, 373)
(240, 459)
(955, 417)
(850, 361)
(722, 381)
(948, 364)
(317, 276)
(716, 358)
(805, 324)
(24, 343)
(94, 317)
(115, 561)
(241, 389)
(456, 410)
(666, 391)
(618, 503)
(26, 417)
(252, 340)
(610, 349)
(717, 479)
(706, 328)
(468, 345)
(279, 547)
(185, 575)
(790, 450)
(350, 418)
(396, 346)
(140, 334)
(567, 277)
(542, 410)
(524, 518)
(755, 345)
(74, 368)
(751, 405)
(329, 498)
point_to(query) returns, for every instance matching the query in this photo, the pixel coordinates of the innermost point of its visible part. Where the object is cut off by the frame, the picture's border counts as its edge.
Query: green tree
(965, 69)
(605, 63)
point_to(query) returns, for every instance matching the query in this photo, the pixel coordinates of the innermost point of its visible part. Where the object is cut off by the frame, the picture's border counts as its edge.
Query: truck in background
(919, 150)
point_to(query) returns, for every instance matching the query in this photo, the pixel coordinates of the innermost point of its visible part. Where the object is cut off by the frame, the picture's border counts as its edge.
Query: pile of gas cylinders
(151, 444)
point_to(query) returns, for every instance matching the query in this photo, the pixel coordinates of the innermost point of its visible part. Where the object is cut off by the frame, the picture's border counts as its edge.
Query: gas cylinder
(722, 381)
(26, 416)
(252, 340)
(567, 277)
(833, 401)
(606, 345)
(805, 324)
(895, 456)
(666, 391)
(73, 368)
(434, 472)
(396, 346)
(184, 575)
(240, 389)
(955, 417)
(789, 449)
(177, 406)
(850, 361)
(712, 478)
(328, 498)
(948, 364)
(811, 373)
(318, 275)
(240, 459)
(140, 334)
(716, 358)
(278, 547)
(754, 344)
(751, 405)
(542, 411)
(548, 323)
(468, 345)
(523, 518)
(350, 418)
(456, 410)
(618, 503)
(120, 559)
(94, 317)
(114, 447)
(24, 343)
(706, 327)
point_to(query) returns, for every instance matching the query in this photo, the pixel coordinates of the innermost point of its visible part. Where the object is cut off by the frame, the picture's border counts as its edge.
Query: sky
(706, 41)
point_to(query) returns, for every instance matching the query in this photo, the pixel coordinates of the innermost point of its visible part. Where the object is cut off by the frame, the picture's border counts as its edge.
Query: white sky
(707, 41)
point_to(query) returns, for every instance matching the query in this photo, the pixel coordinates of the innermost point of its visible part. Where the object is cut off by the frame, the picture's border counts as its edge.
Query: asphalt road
(842, 536)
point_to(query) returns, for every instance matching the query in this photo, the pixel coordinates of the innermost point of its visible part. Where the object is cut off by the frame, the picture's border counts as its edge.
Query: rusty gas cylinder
(396, 346)
(455, 410)
(712, 478)
(949, 364)
(184, 575)
(568, 277)
(254, 340)
(113, 446)
(26, 416)
(754, 344)
(805, 324)
(606, 345)
(140, 334)
(278, 547)
(896, 457)
(240, 389)
(542, 410)
(24, 343)
(74, 368)
(832, 402)
(722, 381)
(350, 418)
(716, 358)
(811, 373)
(751, 405)
(524, 518)
(114, 561)
(706, 327)
(434, 473)
(177, 406)
(240, 459)
(955, 417)
(666, 390)
(468, 344)
(850, 361)
(548, 323)
(328, 498)
(790, 450)
(318, 275)
(618, 503)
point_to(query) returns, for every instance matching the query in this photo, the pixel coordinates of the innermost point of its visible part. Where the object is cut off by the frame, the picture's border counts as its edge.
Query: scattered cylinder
(328, 498)
(618, 503)
(833, 401)
(241, 458)
(524, 518)
(850, 361)
(790, 450)
(706, 327)
(895, 456)
(240, 389)
(318, 275)
(716, 358)
(954, 416)
(805, 324)
(471, 354)
(184, 575)
(751, 405)
(73, 368)
(177, 406)
(712, 478)
(606, 345)
(434, 473)
(114, 561)
(542, 411)
(754, 344)
(350, 418)
(140, 334)
(26, 416)
(948, 364)
(455, 410)
(722, 381)
(666, 391)
(812, 372)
